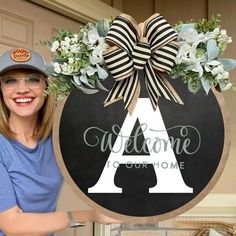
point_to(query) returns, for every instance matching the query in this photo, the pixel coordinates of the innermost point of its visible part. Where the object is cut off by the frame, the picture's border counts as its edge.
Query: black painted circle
(85, 164)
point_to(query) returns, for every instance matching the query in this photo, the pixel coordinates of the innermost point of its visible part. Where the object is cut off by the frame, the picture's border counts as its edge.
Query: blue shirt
(29, 177)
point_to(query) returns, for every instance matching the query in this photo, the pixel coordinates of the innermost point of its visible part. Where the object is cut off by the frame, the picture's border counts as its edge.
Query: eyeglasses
(32, 81)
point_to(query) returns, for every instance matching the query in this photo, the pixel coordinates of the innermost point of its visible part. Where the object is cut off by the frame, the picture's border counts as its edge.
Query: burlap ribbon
(150, 46)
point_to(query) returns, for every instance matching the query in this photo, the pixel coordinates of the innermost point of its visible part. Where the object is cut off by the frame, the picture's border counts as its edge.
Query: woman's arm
(14, 222)
(17, 223)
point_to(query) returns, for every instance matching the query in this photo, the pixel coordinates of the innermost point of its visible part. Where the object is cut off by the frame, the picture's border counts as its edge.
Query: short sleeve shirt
(29, 177)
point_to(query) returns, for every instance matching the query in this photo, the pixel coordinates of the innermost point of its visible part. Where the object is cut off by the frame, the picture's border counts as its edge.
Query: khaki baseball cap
(22, 58)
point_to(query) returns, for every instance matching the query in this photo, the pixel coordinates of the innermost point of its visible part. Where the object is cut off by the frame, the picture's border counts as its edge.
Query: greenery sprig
(199, 62)
(77, 59)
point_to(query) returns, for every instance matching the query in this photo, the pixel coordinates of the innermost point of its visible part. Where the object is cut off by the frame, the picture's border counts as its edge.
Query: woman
(30, 180)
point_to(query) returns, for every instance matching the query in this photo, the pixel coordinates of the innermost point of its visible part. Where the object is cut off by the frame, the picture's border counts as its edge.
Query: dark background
(85, 164)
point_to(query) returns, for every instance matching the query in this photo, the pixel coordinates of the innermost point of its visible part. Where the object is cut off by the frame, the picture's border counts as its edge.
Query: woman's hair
(45, 118)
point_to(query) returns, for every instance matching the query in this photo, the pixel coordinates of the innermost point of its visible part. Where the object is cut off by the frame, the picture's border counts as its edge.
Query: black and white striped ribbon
(131, 54)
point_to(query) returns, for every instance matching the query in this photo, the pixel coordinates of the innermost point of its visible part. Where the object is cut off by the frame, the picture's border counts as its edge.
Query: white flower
(71, 60)
(93, 36)
(217, 70)
(216, 31)
(227, 86)
(226, 74)
(74, 40)
(189, 56)
(223, 75)
(89, 70)
(85, 39)
(223, 37)
(56, 67)
(97, 56)
(219, 77)
(186, 54)
(214, 71)
(190, 35)
(209, 66)
(199, 39)
(67, 39)
(229, 40)
(64, 48)
(196, 67)
(53, 49)
(55, 46)
(76, 36)
(65, 45)
(64, 67)
(211, 35)
(223, 32)
(74, 48)
(94, 59)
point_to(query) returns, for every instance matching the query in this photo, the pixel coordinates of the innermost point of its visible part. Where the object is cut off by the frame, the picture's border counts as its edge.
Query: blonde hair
(45, 118)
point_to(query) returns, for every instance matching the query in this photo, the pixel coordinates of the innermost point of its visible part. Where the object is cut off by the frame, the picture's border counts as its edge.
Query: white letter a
(169, 180)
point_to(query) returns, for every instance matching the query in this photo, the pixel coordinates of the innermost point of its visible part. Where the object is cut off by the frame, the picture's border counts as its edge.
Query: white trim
(218, 200)
(214, 205)
(80, 10)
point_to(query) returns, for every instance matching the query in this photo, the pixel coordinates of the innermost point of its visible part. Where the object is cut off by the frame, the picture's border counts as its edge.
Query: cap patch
(20, 55)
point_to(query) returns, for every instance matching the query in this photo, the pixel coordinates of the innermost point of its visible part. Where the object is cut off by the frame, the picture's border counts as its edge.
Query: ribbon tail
(174, 93)
(157, 87)
(127, 89)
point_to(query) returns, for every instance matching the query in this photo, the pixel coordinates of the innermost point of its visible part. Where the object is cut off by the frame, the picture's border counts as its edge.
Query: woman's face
(23, 92)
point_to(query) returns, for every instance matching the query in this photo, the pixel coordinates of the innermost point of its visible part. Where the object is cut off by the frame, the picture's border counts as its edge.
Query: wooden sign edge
(149, 219)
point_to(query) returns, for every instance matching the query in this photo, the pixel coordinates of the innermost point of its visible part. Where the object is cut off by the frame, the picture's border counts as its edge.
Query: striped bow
(133, 48)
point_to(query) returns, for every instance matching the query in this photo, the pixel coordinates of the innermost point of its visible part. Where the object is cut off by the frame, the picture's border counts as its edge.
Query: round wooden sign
(151, 165)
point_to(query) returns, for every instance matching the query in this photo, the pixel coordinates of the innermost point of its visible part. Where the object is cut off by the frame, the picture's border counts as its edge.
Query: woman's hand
(94, 216)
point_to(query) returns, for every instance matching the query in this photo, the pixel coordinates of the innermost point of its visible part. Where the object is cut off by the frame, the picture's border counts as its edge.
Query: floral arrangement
(78, 60)
(198, 60)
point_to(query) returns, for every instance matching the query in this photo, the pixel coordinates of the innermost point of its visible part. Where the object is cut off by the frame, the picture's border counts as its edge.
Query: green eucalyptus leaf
(76, 80)
(60, 60)
(84, 79)
(205, 84)
(194, 85)
(50, 69)
(227, 63)
(85, 90)
(103, 27)
(100, 86)
(212, 49)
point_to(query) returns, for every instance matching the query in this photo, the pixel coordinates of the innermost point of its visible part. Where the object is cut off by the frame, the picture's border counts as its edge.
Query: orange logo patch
(20, 55)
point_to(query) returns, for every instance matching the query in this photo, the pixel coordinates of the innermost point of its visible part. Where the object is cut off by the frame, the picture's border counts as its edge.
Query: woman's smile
(23, 101)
